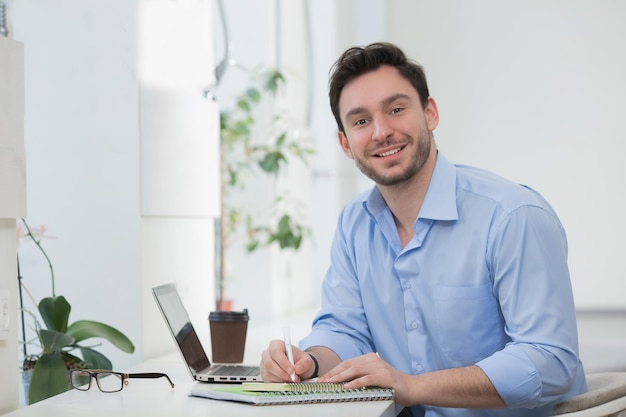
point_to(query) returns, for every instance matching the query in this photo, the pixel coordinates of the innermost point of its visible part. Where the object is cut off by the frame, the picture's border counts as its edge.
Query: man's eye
(396, 110)
(360, 122)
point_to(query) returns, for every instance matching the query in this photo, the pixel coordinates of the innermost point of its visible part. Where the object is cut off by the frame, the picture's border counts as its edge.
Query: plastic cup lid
(229, 315)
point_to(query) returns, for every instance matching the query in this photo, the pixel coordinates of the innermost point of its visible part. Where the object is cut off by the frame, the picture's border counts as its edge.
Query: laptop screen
(181, 328)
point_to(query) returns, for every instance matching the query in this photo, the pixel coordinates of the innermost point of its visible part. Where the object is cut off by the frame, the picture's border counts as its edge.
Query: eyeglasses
(107, 381)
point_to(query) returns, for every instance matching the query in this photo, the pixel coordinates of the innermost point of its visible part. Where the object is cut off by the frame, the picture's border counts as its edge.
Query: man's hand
(465, 387)
(371, 370)
(275, 366)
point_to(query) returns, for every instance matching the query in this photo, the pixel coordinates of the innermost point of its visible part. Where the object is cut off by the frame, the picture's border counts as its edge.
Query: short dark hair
(357, 61)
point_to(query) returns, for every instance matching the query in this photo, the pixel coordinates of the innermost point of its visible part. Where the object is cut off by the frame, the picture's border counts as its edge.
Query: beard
(417, 160)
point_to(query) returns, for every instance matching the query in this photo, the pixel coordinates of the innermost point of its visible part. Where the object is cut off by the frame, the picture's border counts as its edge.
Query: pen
(289, 350)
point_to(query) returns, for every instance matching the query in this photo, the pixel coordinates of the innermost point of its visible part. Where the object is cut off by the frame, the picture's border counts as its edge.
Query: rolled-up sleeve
(528, 257)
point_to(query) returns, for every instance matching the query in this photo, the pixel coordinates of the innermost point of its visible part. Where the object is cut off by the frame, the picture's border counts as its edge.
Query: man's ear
(345, 145)
(432, 114)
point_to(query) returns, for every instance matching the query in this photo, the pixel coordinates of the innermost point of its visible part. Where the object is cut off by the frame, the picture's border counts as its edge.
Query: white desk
(155, 397)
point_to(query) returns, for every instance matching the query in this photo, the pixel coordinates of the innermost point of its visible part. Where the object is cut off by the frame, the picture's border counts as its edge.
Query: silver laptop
(189, 345)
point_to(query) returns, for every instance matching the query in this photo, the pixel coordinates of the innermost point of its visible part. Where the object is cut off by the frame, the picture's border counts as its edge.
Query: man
(447, 283)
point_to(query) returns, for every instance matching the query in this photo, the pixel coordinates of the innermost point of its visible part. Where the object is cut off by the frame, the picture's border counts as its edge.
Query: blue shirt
(484, 281)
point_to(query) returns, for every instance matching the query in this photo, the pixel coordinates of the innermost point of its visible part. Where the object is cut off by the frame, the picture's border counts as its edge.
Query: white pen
(289, 350)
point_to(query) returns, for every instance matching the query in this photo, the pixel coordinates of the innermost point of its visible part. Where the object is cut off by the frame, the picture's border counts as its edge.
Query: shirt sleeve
(341, 324)
(527, 254)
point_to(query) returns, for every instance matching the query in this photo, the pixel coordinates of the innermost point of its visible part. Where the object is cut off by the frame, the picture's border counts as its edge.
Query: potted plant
(255, 142)
(59, 339)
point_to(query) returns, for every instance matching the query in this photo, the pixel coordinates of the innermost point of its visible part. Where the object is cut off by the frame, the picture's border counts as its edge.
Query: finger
(350, 369)
(275, 366)
(268, 366)
(304, 365)
(358, 382)
(280, 356)
(338, 374)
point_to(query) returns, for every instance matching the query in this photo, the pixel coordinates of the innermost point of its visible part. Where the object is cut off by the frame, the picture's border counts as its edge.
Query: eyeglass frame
(124, 377)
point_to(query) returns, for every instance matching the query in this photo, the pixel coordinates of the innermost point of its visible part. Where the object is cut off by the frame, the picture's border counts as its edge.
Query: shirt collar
(439, 202)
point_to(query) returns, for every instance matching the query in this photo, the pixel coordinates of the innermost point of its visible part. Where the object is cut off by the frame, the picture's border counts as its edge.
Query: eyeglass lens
(107, 381)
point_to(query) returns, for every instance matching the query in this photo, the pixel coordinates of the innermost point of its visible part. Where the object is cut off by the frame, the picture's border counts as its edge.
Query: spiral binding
(4, 29)
(312, 397)
(315, 387)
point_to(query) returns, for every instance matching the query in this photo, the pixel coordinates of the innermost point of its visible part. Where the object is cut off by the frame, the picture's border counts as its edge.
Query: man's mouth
(390, 152)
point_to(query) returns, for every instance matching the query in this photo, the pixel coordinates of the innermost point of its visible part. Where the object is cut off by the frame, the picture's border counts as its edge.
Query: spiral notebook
(290, 393)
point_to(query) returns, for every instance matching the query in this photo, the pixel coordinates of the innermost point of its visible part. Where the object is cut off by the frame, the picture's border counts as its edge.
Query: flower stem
(34, 239)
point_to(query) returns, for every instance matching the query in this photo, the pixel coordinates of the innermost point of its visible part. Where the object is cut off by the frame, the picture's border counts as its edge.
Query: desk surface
(155, 397)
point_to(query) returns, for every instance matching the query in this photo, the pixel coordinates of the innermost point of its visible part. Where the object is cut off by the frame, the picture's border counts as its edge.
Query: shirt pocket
(470, 326)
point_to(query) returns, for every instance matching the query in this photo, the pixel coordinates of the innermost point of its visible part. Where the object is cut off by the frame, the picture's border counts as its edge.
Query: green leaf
(281, 139)
(300, 151)
(52, 341)
(94, 359)
(49, 378)
(72, 361)
(55, 312)
(233, 178)
(84, 329)
(243, 104)
(271, 162)
(274, 80)
(287, 235)
(253, 94)
(252, 244)
(240, 128)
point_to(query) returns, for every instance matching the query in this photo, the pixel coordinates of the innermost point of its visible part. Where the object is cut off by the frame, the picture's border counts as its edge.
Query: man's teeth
(391, 152)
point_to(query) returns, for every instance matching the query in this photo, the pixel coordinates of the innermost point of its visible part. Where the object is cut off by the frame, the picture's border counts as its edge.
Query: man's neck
(405, 200)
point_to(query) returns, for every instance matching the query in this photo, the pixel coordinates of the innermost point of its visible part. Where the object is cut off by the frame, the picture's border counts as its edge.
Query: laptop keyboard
(235, 370)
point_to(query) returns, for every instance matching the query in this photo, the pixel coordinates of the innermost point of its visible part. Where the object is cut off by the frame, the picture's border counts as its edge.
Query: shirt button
(407, 285)
(414, 325)
(419, 367)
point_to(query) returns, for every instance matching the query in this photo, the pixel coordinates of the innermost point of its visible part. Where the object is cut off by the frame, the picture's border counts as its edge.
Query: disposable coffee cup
(228, 335)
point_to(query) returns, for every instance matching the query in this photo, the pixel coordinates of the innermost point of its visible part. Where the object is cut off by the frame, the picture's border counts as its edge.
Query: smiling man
(447, 283)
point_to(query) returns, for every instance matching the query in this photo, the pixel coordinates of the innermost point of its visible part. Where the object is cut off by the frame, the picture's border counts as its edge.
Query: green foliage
(55, 312)
(85, 329)
(50, 373)
(59, 339)
(255, 142)
(49, 378)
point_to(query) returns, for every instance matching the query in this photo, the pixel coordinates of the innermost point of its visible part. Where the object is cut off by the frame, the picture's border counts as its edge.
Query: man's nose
(382, 129)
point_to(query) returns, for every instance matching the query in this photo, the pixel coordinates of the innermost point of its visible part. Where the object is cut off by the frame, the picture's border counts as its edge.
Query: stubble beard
(419, 157)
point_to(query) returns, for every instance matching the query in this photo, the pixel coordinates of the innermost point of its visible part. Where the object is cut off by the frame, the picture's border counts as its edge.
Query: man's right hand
(275, 366)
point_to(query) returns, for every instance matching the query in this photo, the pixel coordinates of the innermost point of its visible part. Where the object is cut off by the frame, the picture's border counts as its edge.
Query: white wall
(12, 205)
(82, 150)
(179, 168)
(535, 91)
(121, 151)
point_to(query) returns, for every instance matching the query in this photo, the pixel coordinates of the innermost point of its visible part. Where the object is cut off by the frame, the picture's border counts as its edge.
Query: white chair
(606, 398)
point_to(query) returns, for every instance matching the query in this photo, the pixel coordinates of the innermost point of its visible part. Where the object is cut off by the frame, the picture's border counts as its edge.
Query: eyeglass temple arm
(150, 375)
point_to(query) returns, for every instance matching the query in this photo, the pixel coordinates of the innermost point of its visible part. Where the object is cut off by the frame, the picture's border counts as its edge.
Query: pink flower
(36, 233)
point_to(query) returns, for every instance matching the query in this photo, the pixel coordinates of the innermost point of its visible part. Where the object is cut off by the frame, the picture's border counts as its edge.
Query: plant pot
(224, 305)
(26, 376)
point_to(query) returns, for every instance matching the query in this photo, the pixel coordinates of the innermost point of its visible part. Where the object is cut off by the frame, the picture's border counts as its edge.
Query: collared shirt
(484, 281)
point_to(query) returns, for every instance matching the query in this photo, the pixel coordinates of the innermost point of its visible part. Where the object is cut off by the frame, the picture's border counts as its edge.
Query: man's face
(387, 132)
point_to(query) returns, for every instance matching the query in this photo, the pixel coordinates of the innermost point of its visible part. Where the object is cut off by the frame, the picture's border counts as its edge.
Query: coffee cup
(228, 335)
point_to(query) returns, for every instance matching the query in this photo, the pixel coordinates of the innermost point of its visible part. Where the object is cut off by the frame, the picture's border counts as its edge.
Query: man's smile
(390, 152)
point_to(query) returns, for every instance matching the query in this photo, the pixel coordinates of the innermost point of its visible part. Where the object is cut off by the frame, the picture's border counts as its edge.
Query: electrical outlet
(4, 315)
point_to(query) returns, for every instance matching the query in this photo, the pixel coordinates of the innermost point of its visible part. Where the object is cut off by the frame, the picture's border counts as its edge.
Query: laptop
(189, 346)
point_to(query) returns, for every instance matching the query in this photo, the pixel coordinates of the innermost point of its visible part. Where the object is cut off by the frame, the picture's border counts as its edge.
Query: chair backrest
(606, 396)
